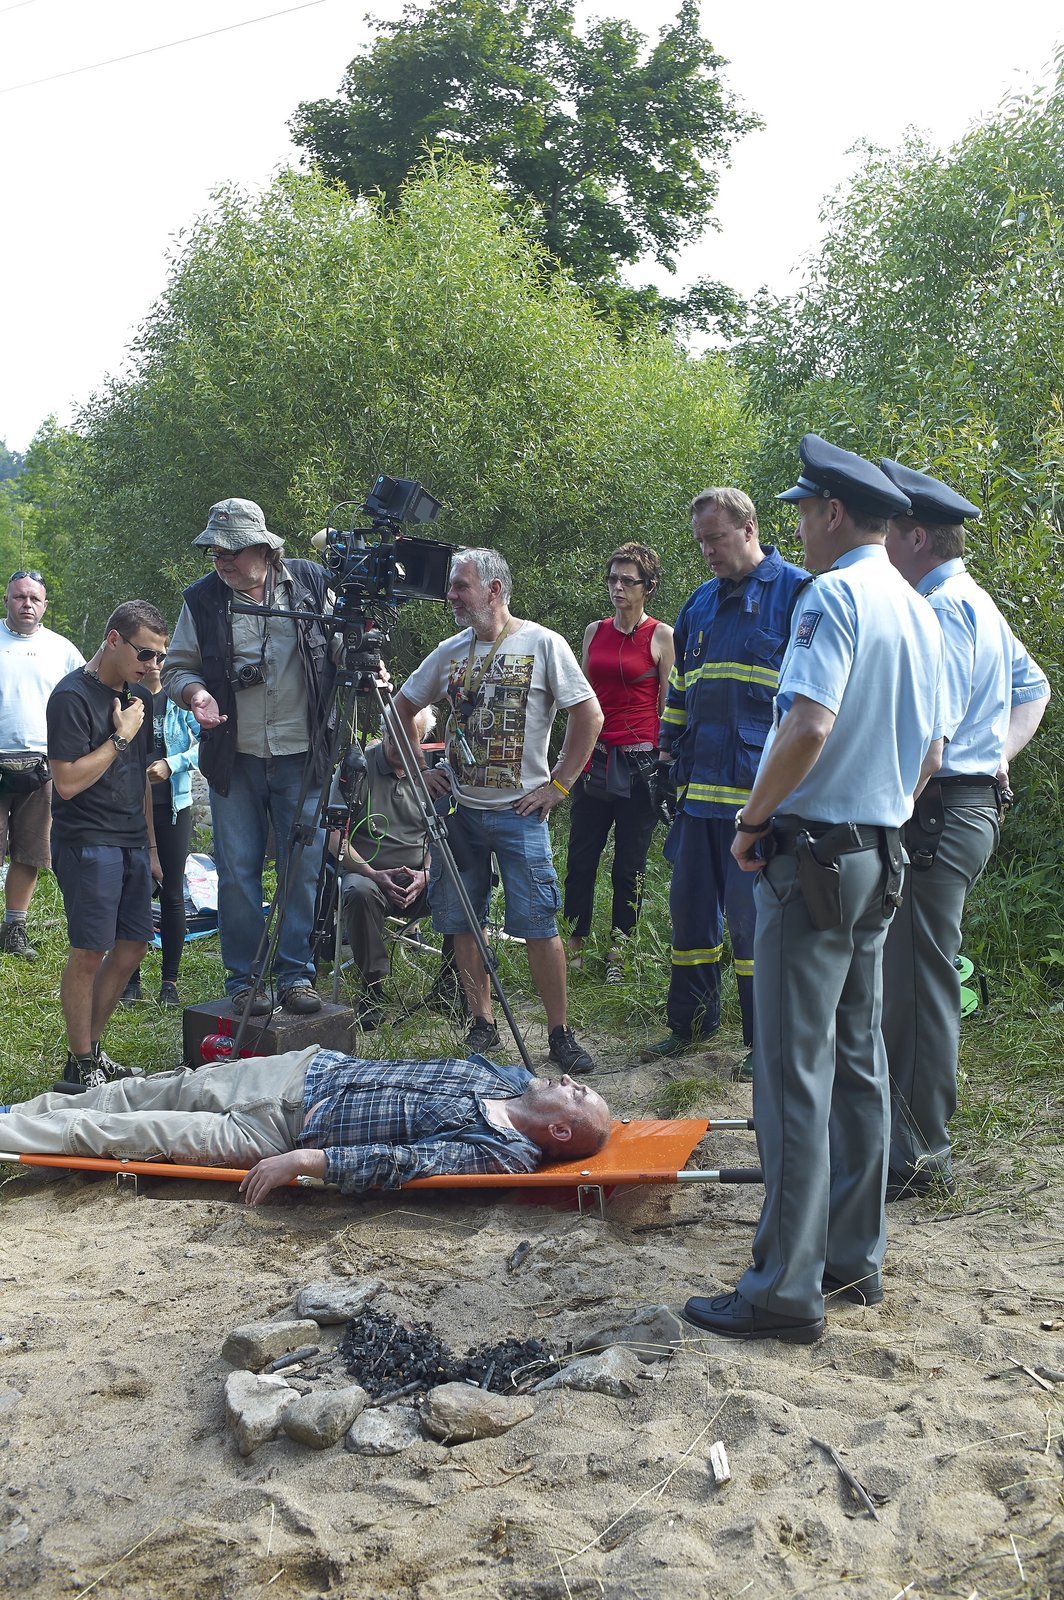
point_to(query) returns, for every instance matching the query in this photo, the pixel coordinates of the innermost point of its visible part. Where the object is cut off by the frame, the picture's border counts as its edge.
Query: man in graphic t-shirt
(103, 840)
(504, 680)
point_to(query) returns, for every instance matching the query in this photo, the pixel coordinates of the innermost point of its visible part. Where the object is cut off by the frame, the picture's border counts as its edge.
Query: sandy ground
(121, 1479)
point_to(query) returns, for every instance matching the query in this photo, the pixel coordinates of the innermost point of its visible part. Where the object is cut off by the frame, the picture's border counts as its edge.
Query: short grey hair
(732, 502)
(490, 565)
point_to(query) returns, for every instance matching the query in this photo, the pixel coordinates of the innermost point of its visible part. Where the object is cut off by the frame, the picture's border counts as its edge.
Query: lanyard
(470, 687)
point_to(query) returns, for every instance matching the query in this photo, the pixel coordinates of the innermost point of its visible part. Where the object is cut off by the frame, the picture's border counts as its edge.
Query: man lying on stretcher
(319, 1114)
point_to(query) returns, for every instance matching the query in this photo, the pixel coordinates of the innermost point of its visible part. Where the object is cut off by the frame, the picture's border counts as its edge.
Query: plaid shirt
(382, 1123)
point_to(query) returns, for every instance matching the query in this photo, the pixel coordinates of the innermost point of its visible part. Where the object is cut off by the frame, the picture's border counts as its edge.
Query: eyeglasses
(629, 583)
(146, 655)
(25, 572)
(214, 554)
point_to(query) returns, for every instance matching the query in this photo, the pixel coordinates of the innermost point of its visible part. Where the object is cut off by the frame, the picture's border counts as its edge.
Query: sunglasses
(629, 583)
(25, 572)
(146, 655)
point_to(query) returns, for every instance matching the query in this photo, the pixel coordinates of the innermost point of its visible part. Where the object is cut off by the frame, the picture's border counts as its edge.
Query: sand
(121, 1478)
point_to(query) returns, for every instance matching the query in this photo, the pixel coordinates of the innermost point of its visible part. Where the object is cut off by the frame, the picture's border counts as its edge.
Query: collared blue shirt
(987, 670)
(382, 1123)
(864, 645)
(729, 639)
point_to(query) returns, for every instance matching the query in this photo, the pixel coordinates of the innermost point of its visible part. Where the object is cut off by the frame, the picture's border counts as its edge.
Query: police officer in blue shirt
(856, 736)
(994, 699)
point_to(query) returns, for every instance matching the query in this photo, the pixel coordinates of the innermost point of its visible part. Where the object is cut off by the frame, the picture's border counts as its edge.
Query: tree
(611, 150)
(931, 329)
(308, 341)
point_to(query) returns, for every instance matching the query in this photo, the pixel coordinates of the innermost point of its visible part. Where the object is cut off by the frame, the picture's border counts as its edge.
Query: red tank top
(624, 675)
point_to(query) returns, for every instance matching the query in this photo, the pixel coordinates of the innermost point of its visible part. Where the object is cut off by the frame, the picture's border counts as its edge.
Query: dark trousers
(172, 840)
(707, 886)
(632, 821)
(365, 911)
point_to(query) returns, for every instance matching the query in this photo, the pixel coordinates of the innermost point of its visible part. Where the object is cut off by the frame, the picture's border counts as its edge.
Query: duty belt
(965, 791)
(832, 839)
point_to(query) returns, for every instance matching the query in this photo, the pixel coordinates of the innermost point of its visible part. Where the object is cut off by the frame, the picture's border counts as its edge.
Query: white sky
(102, 169)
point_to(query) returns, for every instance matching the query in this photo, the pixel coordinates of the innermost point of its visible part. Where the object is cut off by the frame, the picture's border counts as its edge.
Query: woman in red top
(627, 658)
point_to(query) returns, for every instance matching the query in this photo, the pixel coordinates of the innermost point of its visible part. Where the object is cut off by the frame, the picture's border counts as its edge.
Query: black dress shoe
(863, 1293)
(735, 1318)
(921, 1181)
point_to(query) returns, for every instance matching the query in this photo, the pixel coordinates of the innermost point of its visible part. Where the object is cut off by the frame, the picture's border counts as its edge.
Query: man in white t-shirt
(32, 661)
(503, 681)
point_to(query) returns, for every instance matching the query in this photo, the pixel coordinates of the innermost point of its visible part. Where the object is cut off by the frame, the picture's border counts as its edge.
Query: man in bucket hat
(260, 687)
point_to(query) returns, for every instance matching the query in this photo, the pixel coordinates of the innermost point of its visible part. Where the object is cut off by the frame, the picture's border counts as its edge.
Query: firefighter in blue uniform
(730, 637)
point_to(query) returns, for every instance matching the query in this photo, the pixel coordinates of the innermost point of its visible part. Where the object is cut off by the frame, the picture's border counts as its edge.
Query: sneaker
(112, 1069)
(483, 1035)
(168, 995)
(84, 1072)
(302, 999)
(256, 1002)
(15, 941)
(131, 993)
(567, 1052)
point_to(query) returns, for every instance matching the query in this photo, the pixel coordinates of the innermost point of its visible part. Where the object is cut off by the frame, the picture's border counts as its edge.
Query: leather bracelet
(750, 827)
(556, 785)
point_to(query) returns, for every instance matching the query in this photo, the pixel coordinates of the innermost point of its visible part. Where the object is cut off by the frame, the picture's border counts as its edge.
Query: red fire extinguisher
(219, 1046)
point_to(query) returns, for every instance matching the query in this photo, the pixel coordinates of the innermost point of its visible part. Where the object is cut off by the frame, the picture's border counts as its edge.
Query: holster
(923, 830)
(819, 883)
(893, 857)
(819, 880)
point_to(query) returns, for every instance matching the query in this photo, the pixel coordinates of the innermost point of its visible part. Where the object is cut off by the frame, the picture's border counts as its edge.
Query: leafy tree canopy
(613, 148)
(10, 463)
(308, 341)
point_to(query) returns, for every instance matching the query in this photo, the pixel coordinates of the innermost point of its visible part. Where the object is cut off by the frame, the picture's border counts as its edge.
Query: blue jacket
(730, 641)
(181, 734)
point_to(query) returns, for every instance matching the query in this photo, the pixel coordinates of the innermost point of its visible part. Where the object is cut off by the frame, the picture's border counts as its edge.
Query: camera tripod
(359, 675)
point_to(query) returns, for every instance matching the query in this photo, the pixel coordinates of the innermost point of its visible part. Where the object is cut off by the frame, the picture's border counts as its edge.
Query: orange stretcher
(636, 1152)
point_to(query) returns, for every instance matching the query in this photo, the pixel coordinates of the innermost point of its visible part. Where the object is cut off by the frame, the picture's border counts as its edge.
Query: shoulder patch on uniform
(807, 625)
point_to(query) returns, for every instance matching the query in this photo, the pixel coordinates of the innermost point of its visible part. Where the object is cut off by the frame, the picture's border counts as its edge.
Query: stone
(652, 1333)
(328, 1302)
(256, 1343)
(385, 1432)
(255, 1407)
(456, 1412)
(320, 1419)
(615, 1371)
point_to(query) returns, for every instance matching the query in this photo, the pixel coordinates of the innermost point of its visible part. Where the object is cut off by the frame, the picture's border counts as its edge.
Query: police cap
(930, 498)
(830, 473)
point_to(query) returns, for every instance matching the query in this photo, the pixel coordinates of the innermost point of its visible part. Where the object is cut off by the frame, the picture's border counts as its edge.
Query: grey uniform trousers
(922, 991)
(224, 1116)
(820, 1099)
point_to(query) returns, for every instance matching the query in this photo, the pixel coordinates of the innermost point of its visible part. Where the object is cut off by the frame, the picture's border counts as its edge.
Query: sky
(103, 169)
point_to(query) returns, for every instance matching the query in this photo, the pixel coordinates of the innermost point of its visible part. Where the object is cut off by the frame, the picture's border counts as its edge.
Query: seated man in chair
(384, 862)
(319, 1114)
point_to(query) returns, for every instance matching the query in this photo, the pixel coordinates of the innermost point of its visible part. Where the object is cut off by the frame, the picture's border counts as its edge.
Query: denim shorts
(106, 893)
(521, 846)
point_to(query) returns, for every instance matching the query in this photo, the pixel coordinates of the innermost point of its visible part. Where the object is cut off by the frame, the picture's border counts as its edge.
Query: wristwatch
(119, 743)
(749, 827)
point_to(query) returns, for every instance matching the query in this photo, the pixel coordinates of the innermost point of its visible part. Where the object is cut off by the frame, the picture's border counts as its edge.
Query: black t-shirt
(111, 810)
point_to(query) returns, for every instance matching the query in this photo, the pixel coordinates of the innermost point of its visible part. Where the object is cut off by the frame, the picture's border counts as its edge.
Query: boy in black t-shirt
(103, 842)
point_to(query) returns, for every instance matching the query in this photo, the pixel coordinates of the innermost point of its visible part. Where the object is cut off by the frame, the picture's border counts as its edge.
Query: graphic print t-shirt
(510, 712)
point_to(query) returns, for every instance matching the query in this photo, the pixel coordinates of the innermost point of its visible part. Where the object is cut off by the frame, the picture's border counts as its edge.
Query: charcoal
(384, 1356)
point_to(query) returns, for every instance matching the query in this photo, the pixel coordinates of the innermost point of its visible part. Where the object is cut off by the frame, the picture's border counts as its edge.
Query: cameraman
(260, 687)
